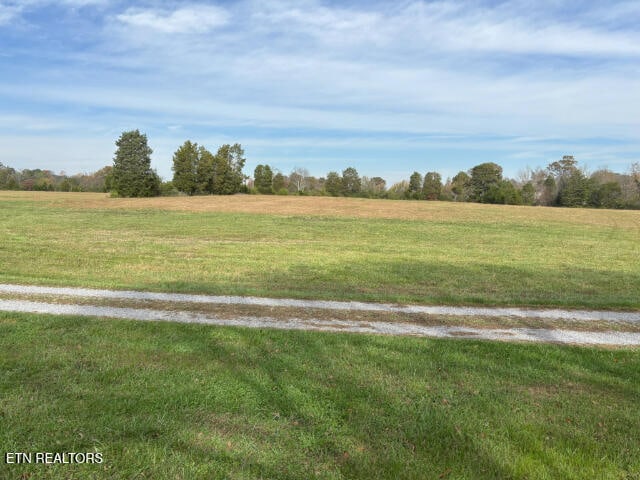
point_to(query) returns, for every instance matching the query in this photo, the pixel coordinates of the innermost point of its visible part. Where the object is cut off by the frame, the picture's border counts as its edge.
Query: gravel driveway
(377, 327)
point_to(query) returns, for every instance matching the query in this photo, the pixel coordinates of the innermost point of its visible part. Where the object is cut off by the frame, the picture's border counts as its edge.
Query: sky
(386, 87)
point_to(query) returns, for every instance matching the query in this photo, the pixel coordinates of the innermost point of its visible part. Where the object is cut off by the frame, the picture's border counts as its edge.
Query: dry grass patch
(324, 248)
(338, 207)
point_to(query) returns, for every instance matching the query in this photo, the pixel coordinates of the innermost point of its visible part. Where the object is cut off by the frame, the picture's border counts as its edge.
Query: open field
(325, 248)
(338, 207)
(188, 401)
(182, 401)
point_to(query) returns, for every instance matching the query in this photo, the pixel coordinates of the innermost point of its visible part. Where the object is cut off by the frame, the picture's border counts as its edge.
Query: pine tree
(132, 175)
(351, 183)
(432, 186)
(333, 184)
(415, 185)
(205, 171)
(185, 168)
(228, 164)
(263, 179)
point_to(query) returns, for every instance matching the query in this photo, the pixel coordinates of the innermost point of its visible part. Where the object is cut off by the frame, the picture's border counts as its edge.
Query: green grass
(466, 254)
(187, 402)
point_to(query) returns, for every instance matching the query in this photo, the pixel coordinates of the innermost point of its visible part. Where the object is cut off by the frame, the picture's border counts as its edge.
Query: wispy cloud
(447, 26)
(353, 76)
(8, 12)
(13, 10)
(194, 19)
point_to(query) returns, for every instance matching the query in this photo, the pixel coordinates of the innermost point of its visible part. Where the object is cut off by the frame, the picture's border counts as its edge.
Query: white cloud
(12, 10)
(193, 19)
(376, 74)
(444, 26)
(8, 13)
(83, 3)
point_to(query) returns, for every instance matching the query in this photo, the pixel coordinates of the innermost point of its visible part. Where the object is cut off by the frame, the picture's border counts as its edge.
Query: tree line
(198, 171)
(47, 180)
(562, 183)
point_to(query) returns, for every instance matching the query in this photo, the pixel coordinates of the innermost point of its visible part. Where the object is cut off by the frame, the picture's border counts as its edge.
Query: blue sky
(386, 87)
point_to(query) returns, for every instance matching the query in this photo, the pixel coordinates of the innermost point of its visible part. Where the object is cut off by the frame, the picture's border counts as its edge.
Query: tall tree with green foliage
(575, 190)
(415, 186)
(460, 187)
(373, 187)
(351, 183)
(432, 186)
(279, 183)
(333, 184)
(132, 175)
(562, 171)
(263, 179)
(528, 194)
(186, 161)
(8, 178)
(503, 192)
(563, 168)
(483, 177)
(205, 171)
(606, 195)
(228, 164)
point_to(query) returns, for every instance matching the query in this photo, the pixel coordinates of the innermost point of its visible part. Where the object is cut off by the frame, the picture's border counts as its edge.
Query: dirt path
(377, 327)
(553, 314)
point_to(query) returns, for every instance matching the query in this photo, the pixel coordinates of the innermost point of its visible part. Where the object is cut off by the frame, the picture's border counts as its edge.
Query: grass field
(327, 248)
(171, 401)
(189, 402)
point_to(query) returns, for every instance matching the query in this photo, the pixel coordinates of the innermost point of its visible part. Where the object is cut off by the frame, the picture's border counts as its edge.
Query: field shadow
(352, 406)
(435, 283)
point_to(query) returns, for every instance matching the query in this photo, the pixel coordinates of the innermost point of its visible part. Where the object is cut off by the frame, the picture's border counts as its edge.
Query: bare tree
(298, 179)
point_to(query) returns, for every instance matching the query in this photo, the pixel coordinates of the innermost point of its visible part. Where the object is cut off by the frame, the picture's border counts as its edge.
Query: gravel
(548, 314)
(386, 328)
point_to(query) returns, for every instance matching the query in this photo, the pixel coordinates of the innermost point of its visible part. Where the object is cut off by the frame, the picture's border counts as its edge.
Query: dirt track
(327, 324)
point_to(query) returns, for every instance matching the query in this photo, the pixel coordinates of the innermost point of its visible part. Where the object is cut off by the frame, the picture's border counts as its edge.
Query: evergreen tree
(205, 171)
(606, 195)
(415, 185)
(576, 190)
(263, 179)
(333, 184)
(185, 168)
(460, 187)
(279, 182)
(351, 183)
(483, 177)
(503, 192)
(132, 175)
(562, 171)
(228, 164)
(528, 193)
(432, 187)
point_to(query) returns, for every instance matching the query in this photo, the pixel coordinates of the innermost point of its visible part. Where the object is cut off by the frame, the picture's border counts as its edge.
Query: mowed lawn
(171, 401)
(325, 248)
